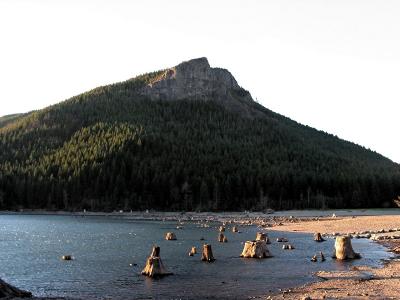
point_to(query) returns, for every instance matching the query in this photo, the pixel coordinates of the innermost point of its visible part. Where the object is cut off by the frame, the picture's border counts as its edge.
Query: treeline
(112, 149)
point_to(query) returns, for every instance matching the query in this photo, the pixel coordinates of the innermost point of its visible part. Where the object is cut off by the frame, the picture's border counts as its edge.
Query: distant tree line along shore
(111, 148)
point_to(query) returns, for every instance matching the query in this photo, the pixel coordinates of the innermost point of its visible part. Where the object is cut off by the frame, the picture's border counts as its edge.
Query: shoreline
(357, 283)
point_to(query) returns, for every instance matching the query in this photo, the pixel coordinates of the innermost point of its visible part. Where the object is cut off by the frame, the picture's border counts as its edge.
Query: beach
(359, 283)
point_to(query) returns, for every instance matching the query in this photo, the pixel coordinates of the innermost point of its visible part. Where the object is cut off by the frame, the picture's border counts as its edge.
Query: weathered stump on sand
(255, 249)
(221, 229)
(318, 237)
(193, 251)
(343, 249)
(207, 254)
(260, 236)
(8, 291)
(235, 229)
(170, 236)
(154, 266)
(222, 238)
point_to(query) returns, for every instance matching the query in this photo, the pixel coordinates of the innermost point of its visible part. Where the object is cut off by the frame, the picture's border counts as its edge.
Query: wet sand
(359, 283)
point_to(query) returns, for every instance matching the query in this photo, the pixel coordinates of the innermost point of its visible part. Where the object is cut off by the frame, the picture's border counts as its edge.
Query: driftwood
(154, 266)
(207, 254)
(235, 229)
(343, 249)
(8, 291)
(318, 237)
(193, 251)
(222, 238)
(255, 249)
(170, 236)
(221, 229)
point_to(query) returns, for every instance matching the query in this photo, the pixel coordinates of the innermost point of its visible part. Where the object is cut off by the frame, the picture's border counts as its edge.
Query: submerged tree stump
(193, 251)
(314, 258)
(170, 236)
(8, 291)
(318, 237)
(288, 247)
(343, 249)
(207, 254)
(282, 240)
(235, 229)
(222, 238)
(261, 236)
(322, 256)
(154, 266)
(255, 249)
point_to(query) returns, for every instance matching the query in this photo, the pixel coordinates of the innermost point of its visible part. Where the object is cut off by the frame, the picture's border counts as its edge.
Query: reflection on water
(106, 251)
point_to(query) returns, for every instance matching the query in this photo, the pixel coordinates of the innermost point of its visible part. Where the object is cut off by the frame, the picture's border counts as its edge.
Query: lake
(106, 250)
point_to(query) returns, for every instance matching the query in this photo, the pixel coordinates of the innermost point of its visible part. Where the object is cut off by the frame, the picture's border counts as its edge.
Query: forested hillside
(188, 138)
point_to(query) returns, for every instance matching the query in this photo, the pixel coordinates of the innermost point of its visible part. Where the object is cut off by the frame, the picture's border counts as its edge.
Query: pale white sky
(333, 65)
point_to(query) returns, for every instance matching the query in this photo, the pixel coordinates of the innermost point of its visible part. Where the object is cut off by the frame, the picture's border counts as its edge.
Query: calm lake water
(104, 248)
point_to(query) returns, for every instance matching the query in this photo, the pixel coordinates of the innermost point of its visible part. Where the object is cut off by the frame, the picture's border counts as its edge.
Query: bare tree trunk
(193, 251)
(255, 249)
(318, 237)
(154, 266)
(170, 236)
(207, 253)
(343, 249)
(222, 238)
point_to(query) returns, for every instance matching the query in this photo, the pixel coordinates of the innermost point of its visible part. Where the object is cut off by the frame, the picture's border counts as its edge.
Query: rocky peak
(193, 79)
(196, 80)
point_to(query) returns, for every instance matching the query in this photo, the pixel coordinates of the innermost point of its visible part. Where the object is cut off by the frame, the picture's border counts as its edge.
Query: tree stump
(170, 236)
(322, 256)
(255, 249)
(8, 291)
(314, 258)
(222, 238)
(154, 266)
(282, 240)
(193, 251)
(261, 236)
(207, 253)
(318, 237)
(235, 229)
(343, 249)
(287, 247)
(221, 229)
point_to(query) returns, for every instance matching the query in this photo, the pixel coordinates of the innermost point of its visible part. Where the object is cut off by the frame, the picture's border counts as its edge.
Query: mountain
(4, 120)
(184, 138)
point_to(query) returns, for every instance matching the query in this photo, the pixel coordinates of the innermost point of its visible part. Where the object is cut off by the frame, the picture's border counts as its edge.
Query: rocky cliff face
(196, 80)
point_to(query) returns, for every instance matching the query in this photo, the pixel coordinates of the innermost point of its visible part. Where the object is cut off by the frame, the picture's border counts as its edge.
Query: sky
(332, 65)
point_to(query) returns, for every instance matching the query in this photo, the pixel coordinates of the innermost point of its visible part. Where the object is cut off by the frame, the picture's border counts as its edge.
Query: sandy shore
(344, 225)
(359, 283)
